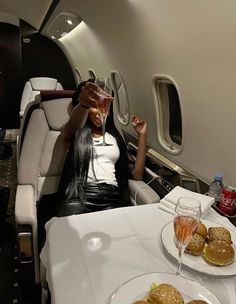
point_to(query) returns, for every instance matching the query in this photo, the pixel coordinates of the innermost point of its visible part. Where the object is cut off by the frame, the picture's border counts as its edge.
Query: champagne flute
(103, 103)
(186, 220)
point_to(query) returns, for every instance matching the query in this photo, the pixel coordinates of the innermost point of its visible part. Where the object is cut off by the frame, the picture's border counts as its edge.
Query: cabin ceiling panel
(31, 11)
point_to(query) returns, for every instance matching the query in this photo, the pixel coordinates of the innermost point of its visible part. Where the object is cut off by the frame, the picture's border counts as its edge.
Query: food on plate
(214, 244)
(165, 294)
(219, 253)
(219, 234)
(196, 244)
(197, 302)
(202, 230)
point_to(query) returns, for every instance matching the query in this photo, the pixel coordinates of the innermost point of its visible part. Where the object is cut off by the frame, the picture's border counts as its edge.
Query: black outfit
(98, 196)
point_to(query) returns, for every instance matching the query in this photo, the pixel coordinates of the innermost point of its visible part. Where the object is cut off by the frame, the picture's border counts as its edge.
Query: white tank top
(105, 157)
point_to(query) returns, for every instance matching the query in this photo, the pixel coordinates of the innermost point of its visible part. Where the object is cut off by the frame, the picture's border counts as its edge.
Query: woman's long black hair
(74, 176)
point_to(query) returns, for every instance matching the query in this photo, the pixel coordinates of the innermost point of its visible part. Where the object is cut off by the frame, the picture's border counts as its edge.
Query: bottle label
(228, 201)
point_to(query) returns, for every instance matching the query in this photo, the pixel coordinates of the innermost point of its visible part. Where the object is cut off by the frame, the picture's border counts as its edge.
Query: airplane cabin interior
(170, 63)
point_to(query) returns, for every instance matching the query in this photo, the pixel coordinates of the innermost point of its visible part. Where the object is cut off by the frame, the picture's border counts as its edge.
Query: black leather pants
(98, 197)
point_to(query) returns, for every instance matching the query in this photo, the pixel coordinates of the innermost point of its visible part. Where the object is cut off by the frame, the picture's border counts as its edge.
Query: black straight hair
(75, 172)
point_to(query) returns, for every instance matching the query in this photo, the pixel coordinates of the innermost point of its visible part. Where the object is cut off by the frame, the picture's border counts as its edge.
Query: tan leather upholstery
(41, 160)
(33, 87)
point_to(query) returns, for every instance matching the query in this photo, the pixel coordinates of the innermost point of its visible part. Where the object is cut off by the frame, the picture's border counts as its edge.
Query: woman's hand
(90, 94)
(140, 125)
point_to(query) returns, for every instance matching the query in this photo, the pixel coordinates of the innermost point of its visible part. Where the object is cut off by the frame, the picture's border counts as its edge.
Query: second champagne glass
(104, 102)
(186, 220)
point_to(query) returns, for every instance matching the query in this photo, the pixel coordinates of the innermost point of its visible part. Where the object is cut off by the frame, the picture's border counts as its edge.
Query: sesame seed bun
(202, 230)
(166, 294)
(219, 234)
(219, 253)
(196, 244)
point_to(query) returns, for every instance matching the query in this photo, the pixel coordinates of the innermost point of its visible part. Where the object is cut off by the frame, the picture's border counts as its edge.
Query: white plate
(137, 287)
(197, 262)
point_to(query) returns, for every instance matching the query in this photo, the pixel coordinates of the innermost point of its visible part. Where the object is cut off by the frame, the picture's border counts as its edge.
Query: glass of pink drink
(103, 103)
(186, 220)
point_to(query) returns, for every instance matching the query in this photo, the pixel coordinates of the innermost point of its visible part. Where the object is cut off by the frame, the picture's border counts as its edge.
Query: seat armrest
(25, 206)
(141, 193)
(26, 214)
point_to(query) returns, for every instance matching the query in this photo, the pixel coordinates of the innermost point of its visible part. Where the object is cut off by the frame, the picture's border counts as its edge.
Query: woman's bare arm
(140, 127)
(77, 120)
(86, 99)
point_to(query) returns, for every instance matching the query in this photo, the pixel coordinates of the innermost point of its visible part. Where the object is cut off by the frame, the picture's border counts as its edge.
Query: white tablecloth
(88, 256)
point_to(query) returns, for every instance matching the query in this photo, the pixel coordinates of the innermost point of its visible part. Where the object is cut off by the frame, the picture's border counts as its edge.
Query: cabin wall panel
(10, 75)
(43, 58)
(191, 41)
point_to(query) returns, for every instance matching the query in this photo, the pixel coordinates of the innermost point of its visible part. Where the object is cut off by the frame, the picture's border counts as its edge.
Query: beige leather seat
(39, 169)
(33, 87)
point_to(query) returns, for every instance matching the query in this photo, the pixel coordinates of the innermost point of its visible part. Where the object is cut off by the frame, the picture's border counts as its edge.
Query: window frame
(124, 119)
(92, 74)
(79, 78)
(162, 102)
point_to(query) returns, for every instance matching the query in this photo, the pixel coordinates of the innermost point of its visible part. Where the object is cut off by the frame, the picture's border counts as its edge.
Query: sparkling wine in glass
(186, 220)
(103, 103)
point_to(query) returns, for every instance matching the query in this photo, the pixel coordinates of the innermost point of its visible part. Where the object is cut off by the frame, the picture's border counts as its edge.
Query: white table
(88, 256)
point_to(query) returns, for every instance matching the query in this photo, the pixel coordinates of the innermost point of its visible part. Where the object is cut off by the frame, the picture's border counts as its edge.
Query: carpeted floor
(10, 288)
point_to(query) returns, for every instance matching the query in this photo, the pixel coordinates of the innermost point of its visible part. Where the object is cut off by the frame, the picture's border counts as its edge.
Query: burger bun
(219, 253)
(202, 230)
(166, 294)
(196, 244)
(219, 234)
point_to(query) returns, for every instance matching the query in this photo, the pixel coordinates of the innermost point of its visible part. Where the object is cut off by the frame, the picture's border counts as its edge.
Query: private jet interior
(170, 62)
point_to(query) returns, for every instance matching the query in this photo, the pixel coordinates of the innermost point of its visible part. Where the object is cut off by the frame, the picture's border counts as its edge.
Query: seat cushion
(43, 83)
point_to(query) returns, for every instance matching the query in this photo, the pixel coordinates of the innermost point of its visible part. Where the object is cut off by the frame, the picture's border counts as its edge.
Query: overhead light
(68, 21)
(63, 24)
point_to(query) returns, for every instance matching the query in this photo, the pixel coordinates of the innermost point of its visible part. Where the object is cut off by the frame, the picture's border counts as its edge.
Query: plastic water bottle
(216, 187)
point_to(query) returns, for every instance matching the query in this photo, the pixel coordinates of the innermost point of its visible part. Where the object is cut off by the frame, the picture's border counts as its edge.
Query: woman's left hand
(140, 125)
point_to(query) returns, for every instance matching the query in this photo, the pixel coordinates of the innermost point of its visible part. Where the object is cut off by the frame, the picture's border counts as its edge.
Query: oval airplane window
(169, 114)
(78, 75)
(121, 98)
(92, 74)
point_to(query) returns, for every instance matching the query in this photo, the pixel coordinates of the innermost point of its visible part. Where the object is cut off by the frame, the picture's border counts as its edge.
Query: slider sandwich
(196, 244)
(201, 230)
(165, 294)
(219, 234)
(219, 253)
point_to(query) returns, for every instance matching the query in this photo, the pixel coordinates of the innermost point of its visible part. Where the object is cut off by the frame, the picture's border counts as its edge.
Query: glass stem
(103, 130)
(181, 249)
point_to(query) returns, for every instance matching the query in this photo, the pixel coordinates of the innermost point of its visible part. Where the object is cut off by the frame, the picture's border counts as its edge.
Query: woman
(96, 177)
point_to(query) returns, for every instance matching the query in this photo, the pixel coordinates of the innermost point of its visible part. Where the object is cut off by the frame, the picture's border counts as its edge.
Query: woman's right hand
(89, 95)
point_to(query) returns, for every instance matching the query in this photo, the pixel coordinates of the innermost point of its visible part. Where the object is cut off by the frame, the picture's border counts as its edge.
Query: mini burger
(201, 230)
(196, 244)
(219, 253)
(219, 234)
(165, 294)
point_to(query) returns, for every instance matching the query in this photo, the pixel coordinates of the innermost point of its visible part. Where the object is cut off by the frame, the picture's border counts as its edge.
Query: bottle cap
(219, 177)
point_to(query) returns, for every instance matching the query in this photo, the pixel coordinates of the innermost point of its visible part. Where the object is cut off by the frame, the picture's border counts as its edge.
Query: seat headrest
(43, 83)
(57, 106)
